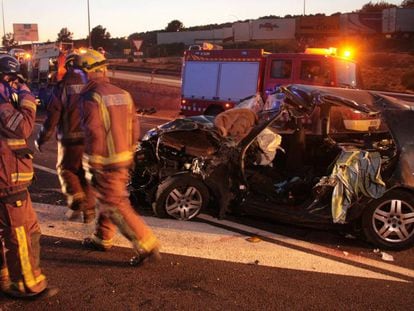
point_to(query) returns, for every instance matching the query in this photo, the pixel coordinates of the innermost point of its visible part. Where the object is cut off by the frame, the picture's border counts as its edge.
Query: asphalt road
(212, 265)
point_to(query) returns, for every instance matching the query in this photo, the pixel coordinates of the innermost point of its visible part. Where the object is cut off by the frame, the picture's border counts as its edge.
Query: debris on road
(350, 236)
(256, 262)
(386, 257)
(254, 239)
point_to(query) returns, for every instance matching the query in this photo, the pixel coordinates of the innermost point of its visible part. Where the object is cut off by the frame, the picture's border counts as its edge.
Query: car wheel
(181, 197)
(389, 221)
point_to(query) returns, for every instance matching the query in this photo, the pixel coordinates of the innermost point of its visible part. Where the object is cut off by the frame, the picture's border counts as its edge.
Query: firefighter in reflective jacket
(63, 114)
(111, 134)
(20, 274)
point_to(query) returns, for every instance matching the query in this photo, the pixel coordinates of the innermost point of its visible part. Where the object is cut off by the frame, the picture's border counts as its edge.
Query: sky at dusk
(124, 17)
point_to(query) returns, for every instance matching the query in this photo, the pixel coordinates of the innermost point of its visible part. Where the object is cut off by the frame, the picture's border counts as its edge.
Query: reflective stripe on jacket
(108, 117)
(63, 111)
(16, 125)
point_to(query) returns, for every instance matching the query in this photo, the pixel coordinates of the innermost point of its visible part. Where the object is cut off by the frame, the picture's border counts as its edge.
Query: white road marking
(313, 247)
(45, 169)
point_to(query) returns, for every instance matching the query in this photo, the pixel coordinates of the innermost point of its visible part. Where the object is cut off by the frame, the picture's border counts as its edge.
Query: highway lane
(283, 265)
(279, 245)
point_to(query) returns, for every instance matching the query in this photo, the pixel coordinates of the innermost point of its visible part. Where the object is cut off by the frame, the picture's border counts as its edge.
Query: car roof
(361, 100)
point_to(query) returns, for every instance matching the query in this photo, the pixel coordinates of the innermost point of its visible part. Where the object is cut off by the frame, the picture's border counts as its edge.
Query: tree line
(100, 37)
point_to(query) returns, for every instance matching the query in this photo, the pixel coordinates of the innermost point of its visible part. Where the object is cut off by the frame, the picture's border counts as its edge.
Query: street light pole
(89, 27)
(2, 12)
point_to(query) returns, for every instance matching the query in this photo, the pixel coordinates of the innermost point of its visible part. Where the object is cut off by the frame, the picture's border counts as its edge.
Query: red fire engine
(216, 80)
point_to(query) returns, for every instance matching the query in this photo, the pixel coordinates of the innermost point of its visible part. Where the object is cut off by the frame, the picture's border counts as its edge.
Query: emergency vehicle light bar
(321, 51)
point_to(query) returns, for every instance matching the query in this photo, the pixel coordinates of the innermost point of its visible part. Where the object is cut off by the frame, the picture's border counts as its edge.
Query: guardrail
(404, 96)
(158, 71)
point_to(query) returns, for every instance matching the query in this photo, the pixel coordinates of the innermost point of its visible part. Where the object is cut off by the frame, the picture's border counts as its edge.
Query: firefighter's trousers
(79, 194)
(20, 248)
(115, 210)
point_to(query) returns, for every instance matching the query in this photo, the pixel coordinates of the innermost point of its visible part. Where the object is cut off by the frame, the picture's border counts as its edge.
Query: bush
(408, 80)
(164, 50)
(378, 60)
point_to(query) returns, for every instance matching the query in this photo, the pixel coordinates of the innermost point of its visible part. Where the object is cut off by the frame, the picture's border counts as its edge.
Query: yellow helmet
(90, 60)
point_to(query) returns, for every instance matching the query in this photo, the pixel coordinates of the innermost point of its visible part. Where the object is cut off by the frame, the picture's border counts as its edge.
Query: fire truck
(216, 80)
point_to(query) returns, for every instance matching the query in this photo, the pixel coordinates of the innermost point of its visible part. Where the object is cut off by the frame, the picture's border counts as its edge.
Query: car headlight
(148, 135)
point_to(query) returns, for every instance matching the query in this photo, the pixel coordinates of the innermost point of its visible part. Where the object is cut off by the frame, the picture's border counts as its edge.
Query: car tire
(388, 222)
(182, 197)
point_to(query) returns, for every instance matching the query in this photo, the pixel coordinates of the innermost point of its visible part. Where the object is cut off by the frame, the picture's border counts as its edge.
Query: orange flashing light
(345, 52)
(348, 53)
(321, 51)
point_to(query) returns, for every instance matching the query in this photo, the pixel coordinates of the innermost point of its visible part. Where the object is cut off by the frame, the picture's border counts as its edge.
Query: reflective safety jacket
(16, 124)
(109, 122)
(63, 111)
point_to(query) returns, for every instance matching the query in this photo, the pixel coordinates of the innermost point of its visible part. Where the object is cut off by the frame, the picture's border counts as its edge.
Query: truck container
(272, 29)
(317, 26)
(361, 23)
(398, 21)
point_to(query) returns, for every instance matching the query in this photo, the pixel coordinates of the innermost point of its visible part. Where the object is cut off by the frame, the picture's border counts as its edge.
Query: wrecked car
(320, 156)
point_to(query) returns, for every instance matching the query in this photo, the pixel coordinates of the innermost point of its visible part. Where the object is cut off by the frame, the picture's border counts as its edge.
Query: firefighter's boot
(143, 257)
(19, 290)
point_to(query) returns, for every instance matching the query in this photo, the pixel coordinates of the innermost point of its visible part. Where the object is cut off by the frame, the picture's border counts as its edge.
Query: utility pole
(89, 27)
(304, 7)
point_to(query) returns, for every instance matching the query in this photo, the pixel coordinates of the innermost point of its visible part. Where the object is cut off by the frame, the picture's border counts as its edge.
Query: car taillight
(357, 121)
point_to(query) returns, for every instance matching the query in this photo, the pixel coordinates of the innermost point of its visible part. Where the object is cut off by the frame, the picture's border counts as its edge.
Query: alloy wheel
(184, 202)
(393, 221)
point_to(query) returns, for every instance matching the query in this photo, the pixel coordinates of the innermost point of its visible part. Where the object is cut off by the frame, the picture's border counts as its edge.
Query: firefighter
(20, 274)
(63, 115)
(111, 134)
(61, 65)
